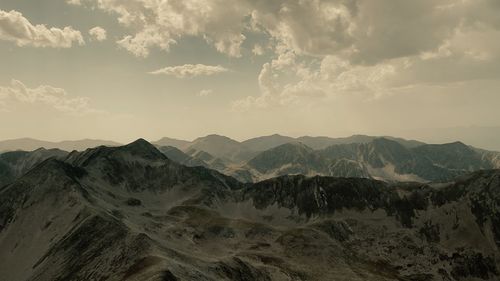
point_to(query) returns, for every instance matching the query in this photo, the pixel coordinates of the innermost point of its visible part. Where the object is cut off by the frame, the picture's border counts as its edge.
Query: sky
(119, 70)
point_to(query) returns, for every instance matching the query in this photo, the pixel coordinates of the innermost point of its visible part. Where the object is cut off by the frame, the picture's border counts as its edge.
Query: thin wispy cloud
(205, 92)
(57, 98)
(190, 70)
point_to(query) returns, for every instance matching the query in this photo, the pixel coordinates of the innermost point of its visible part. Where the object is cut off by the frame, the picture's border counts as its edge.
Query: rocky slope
(130, 213)
(290, 158)
(16, 163)
(381, 158)
(387, 158)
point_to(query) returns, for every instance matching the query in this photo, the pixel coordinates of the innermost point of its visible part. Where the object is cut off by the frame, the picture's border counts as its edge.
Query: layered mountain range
(253, 160)
(29, 144)
(131, 213)
(384, 158)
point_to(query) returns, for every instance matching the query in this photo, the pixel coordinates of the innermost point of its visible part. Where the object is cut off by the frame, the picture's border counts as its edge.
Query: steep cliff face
(130, 213)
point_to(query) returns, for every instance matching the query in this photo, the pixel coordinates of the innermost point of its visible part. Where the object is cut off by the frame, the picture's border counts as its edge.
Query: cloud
(159, 24)
(190, 70)
(326, 48)
(306, 26)
(14, 27)
(74, 2)
(286, 81)
(205, 92)
(98, 33)
(365, 31)
(57, 98)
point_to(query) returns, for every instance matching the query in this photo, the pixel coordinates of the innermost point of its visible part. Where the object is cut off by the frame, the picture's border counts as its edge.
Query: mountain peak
(458, 144)
(215, 137)
(178, 143)
(139, 141)
(387, 143)
(143, 148)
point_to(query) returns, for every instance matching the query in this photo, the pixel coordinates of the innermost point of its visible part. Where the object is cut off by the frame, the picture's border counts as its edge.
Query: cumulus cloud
(159, 24)
(14, 27)
(57, 98)
(324, 48)
(191, 70)
(299, 82)
(307, 26)
(98, 33)
(366, 31)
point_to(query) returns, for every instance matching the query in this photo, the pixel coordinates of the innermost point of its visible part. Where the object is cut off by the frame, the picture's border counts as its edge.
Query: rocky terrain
(15, 163)
(388, 159)
(384, 158)
(131, 213)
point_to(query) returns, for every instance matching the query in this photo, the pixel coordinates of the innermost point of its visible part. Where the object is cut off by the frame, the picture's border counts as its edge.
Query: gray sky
(121, 70)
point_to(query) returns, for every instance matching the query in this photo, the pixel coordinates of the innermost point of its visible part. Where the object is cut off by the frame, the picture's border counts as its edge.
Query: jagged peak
(139, 148)
(139, 141)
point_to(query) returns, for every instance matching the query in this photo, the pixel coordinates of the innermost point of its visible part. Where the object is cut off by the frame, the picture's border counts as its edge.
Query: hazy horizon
(476, 137)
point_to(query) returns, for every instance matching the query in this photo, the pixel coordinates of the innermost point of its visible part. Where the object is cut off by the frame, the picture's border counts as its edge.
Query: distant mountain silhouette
(180, 144)
(28, 144)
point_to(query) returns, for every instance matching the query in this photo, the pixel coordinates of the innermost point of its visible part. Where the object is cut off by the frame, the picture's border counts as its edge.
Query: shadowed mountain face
(193, 158)
(130, 213)
(381, 158)
(16, 163)
(290, 158)
(389, 160)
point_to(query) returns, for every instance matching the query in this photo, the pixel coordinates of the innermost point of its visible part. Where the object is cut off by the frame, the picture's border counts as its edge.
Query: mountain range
(131, 213)
(256, 159)
(235, 151)
(29, 144)
(383, 158)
